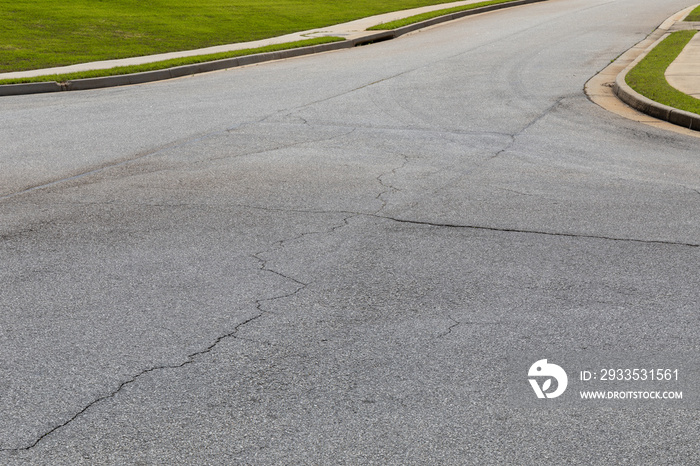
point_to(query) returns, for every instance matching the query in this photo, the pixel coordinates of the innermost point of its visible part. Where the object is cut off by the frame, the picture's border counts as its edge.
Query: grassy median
(161, 65)
(694, 15)
(647, 78)
(45, 33)
(432, 14)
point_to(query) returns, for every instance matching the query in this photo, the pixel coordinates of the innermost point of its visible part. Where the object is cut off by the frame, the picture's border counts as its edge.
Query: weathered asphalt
(329, 260)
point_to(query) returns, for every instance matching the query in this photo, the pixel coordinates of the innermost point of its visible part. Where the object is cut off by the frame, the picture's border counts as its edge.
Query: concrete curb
(30, 88)
(188, 70)
(660, 111)
(645, 105)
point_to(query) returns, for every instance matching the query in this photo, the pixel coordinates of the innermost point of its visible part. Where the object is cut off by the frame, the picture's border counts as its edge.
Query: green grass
(647, 78)
(38, 34)
(694, 15)
(433, 14)
(169, 63)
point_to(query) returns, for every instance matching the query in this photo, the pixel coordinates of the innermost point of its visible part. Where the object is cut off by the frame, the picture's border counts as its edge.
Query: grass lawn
(647, 78)
(45, 33)
(433, 14)
(694, 15)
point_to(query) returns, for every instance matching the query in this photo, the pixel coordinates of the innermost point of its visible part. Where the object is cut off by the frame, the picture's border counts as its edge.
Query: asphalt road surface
(332, 259)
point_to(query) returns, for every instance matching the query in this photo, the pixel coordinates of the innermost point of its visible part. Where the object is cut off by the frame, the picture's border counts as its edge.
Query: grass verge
(160, 65)
(432, 14)
(37, 34)
(647, 78)
(694, 15)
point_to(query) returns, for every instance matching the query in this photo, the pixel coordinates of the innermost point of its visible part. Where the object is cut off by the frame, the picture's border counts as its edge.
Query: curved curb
(650, 107)
(204, 67)
(660, 111)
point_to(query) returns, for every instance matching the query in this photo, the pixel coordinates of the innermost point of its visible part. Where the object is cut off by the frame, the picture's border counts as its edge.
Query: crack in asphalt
(539, 232)
(513, 139)
(259, 303)
(354, 214)
(189, 360)
(27, 231)
(530, 124)
(192, 357)
(456, 323)
(696, 191)
(389, 187)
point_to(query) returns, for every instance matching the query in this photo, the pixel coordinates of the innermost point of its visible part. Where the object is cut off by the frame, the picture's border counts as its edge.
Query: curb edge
(644, 104)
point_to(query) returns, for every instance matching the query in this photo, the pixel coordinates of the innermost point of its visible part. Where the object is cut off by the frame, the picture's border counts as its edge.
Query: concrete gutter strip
(187, 70)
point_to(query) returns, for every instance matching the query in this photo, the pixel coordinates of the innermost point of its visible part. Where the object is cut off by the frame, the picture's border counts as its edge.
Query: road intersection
(331, 259)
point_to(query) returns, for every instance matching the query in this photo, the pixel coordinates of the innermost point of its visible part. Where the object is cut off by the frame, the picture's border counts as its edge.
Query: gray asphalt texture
(330, 259)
